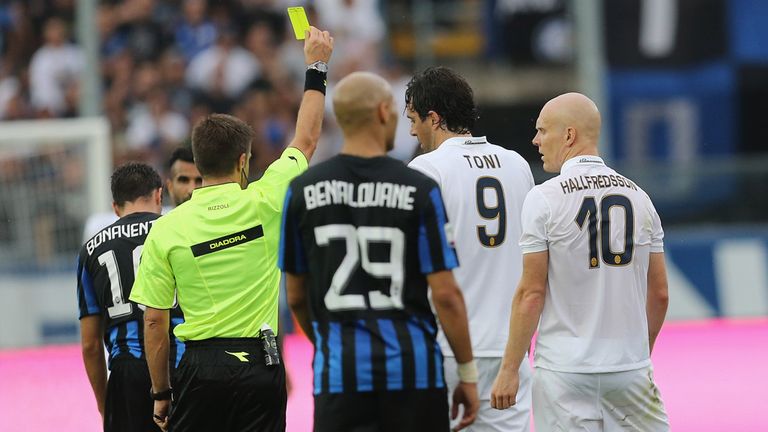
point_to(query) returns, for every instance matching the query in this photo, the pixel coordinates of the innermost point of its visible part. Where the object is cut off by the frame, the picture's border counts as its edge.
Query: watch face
(322, 67)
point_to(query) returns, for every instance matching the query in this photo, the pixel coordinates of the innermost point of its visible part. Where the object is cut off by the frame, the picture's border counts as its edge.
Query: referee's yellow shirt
(218, 253)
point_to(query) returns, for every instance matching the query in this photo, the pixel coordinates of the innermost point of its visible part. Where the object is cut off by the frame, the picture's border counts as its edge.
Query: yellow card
(299, 21)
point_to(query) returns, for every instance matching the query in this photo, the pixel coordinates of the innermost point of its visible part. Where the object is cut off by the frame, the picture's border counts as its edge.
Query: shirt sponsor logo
(227, 241)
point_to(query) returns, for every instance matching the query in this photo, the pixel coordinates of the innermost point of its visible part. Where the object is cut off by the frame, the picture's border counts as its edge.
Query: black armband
(315, 80)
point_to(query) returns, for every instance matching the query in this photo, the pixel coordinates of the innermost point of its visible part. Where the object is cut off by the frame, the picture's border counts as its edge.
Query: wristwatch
(160, 396)
(319, 66)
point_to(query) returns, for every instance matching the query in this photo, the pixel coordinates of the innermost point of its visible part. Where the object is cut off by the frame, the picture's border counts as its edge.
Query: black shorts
(402, 411)
(128, 406)
(223, 385)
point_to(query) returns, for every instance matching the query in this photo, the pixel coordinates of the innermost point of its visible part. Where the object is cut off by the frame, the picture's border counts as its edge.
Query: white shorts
(617, 401)
(514, 419)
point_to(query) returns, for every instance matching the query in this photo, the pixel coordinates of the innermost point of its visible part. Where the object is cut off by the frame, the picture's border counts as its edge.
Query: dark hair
(445, 92)
(134, 180)
(217, 143)
(183, 154)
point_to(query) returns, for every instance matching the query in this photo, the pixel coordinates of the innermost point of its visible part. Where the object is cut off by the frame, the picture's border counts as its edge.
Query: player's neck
(442, 135)
(141, 206)
(363, 145)
(581, 151)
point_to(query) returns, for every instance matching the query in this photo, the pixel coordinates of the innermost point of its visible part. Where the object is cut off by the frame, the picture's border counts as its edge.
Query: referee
(217, 254)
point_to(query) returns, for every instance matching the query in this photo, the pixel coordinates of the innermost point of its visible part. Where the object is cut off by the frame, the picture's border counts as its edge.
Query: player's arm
(528, 302)
(526, 310)
(658, 296)
(318, 46)
(452, 313)
(297, 301)
(91, 331)
(436, 259)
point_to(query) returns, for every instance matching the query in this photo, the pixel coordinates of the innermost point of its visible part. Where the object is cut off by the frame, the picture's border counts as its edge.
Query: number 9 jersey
(367, 231)
(600, 229)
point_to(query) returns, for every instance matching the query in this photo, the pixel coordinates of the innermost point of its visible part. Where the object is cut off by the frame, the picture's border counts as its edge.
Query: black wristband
(162, 395)
(315, 80)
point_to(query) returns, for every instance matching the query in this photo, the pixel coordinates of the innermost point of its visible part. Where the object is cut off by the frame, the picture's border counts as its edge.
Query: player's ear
(383, 112)
(116, 209)
(570, 136)
(434, 118)
(159, 196)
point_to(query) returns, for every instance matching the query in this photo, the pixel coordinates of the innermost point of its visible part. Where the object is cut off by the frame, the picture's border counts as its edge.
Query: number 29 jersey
(600, 229)
(367, 231)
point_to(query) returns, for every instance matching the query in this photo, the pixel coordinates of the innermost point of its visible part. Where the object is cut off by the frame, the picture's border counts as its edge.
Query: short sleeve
(278, 175)
(155, 285)
(436, 252)
(292, 257)
(421, 165)
(534, 217)
(86, 295)
(657, 232)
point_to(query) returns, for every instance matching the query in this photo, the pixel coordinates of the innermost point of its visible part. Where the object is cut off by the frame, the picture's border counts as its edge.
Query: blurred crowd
(167, 63)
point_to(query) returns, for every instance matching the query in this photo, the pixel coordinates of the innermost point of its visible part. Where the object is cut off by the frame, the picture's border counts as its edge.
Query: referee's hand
(160, 413)
(318, 46)
(465, 394)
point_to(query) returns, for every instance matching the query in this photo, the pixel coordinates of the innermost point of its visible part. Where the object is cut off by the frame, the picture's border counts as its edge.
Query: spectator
(223, 71)
(54, 69)
(195, 33)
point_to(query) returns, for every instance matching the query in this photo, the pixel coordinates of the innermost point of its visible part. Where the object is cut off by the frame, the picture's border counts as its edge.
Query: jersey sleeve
(534, 217)
(154, 285)
(421, 165)
(436, 251)
(291, 256)
(274, 182)
(86, 294)
(657, 232)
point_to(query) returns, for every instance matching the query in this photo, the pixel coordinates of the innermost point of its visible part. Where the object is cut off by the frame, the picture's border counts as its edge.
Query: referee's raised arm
(318, 46)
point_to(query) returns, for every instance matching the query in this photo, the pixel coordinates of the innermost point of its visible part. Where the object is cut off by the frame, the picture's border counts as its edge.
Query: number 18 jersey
(600, 229)
(367, 231)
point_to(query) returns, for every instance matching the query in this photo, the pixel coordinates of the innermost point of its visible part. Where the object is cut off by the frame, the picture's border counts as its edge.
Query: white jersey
(600, 229)
(483, 187)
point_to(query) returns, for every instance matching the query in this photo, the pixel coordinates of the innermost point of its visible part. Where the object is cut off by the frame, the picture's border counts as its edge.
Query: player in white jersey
(483, 186)
(594, 273)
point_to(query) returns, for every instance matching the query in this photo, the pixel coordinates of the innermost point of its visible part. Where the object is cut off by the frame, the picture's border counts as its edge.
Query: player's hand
(465, 394)
(318, 45)
(160, 413)
(504, 390)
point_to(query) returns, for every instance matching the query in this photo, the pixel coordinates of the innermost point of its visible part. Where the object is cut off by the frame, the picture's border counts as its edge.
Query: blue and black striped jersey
(106, 267)
(367, 231)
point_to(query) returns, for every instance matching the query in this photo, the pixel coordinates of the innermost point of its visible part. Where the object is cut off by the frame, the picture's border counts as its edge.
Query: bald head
(568, 126)
(357, 98)
(577, 111)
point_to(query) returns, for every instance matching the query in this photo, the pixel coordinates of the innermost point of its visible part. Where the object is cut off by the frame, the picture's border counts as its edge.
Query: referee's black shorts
(223, 385)
(401, 411)
(128, 407)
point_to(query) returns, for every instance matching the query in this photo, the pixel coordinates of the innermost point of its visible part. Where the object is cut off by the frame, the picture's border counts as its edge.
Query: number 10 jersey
(367, 231)
(599, 228)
